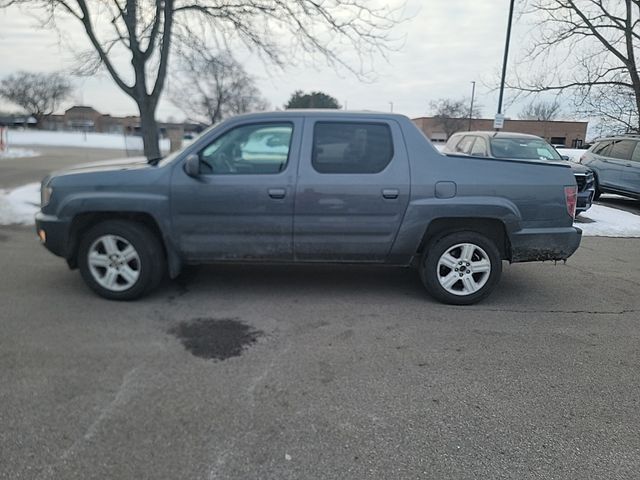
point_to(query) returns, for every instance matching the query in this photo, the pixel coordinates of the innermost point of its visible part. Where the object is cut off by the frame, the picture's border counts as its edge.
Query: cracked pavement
(359, 374)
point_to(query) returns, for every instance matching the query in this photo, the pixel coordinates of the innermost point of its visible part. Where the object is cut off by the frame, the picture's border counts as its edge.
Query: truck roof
(493, 134)
(321, 112)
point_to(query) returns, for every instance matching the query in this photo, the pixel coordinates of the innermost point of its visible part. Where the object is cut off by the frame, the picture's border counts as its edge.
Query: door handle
(390, 193)
(277, 192)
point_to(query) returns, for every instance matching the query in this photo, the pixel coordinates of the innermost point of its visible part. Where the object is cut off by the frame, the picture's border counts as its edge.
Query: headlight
(45, 195)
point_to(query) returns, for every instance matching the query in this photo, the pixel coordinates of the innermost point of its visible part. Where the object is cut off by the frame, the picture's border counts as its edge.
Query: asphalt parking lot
(350, 372)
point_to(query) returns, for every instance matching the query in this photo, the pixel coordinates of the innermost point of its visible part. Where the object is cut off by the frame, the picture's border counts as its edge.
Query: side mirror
(565, 157)
(192, 165)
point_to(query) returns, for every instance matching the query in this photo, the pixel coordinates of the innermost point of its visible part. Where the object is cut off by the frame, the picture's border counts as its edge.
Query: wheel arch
(493, 228)
(82, 222)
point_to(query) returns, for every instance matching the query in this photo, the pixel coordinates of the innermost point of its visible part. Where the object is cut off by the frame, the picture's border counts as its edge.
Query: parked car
(615, 162)
(353, 188)
(518, 146)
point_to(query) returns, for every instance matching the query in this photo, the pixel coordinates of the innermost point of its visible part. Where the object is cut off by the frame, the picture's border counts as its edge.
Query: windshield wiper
(154, 161)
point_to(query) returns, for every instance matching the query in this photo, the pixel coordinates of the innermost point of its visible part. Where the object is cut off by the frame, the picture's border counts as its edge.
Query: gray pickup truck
(307, 187)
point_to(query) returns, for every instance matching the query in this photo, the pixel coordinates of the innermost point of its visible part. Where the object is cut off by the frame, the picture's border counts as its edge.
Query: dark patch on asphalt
(216, 339)
(3, 238)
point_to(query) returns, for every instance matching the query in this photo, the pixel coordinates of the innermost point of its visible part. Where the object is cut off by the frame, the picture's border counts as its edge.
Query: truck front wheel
(461, 268)
(121, 260)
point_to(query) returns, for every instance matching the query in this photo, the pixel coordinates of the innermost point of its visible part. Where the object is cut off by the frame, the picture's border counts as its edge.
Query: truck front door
(240, 206)
(353, 189)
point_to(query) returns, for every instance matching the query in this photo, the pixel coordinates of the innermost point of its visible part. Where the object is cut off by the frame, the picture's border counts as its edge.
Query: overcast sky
(448, 43)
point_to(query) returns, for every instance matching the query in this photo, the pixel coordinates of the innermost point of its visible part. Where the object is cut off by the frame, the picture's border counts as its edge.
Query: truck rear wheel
(121, 260)
(461, 268)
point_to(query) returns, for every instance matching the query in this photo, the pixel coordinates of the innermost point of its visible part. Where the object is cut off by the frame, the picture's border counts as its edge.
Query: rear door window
(622, 149)
(602, 148)
(350, 147)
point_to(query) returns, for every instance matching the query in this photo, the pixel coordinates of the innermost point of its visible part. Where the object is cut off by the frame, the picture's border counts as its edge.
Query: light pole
(473, 94)
(506, 54)
(391, 107)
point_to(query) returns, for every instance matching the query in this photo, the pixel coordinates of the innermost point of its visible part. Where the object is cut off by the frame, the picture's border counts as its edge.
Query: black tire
(597, 192)
(150, 264)
(430, 272)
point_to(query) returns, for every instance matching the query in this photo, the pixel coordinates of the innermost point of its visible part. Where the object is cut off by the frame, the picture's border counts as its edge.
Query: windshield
(523, 148)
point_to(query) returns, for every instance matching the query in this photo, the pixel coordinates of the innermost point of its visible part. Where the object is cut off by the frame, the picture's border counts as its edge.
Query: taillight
(571, 197)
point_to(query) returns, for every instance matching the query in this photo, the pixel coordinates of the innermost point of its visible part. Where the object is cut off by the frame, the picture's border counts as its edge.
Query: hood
(132, 163)
(118, 165)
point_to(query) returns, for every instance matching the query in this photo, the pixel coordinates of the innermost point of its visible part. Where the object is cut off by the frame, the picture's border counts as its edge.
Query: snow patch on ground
(18, 153)
(601, 221)
(19, 205)
(79, 139)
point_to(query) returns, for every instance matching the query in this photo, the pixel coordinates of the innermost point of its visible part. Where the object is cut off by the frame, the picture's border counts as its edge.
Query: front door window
(249, 149)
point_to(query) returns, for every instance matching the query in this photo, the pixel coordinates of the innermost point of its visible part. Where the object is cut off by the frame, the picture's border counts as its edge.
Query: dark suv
(521, 146)
(615, 162)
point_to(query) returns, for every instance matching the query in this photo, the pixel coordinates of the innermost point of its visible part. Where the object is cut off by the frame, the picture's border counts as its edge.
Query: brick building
(87, 119)
(569, 134)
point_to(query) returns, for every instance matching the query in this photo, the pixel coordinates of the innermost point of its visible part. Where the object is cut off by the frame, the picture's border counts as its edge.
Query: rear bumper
(56, 233)
(539, 244)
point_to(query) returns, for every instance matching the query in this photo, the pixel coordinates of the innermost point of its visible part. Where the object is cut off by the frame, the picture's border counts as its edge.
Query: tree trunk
(149, 130)
(39, 120)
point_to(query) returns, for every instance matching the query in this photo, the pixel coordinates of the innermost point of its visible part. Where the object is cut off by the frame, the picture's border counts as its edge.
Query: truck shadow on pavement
(336, 282)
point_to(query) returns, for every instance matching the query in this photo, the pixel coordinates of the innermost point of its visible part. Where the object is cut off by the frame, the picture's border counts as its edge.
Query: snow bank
(18, 153)
(20, 205)
(601, 221)
(79, 139)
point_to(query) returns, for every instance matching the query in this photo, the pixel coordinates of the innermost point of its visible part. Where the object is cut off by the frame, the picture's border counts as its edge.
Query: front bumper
(585, 199)
(539, 244)
(56, 233)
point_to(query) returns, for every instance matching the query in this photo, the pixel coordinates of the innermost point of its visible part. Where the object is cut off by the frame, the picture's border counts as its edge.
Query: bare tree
(453, 115)
(540, 110)
(143, 30)
(39, 94)
(587, 48)
(209, 87)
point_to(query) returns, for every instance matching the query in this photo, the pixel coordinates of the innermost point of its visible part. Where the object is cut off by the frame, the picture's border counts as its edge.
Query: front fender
(155, 206)
(89, 202)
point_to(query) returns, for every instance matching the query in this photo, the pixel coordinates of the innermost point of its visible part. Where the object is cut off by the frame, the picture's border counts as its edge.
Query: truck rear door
(353, 189)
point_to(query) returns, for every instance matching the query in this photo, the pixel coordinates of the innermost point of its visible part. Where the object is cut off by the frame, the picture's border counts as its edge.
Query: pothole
(216, 339)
